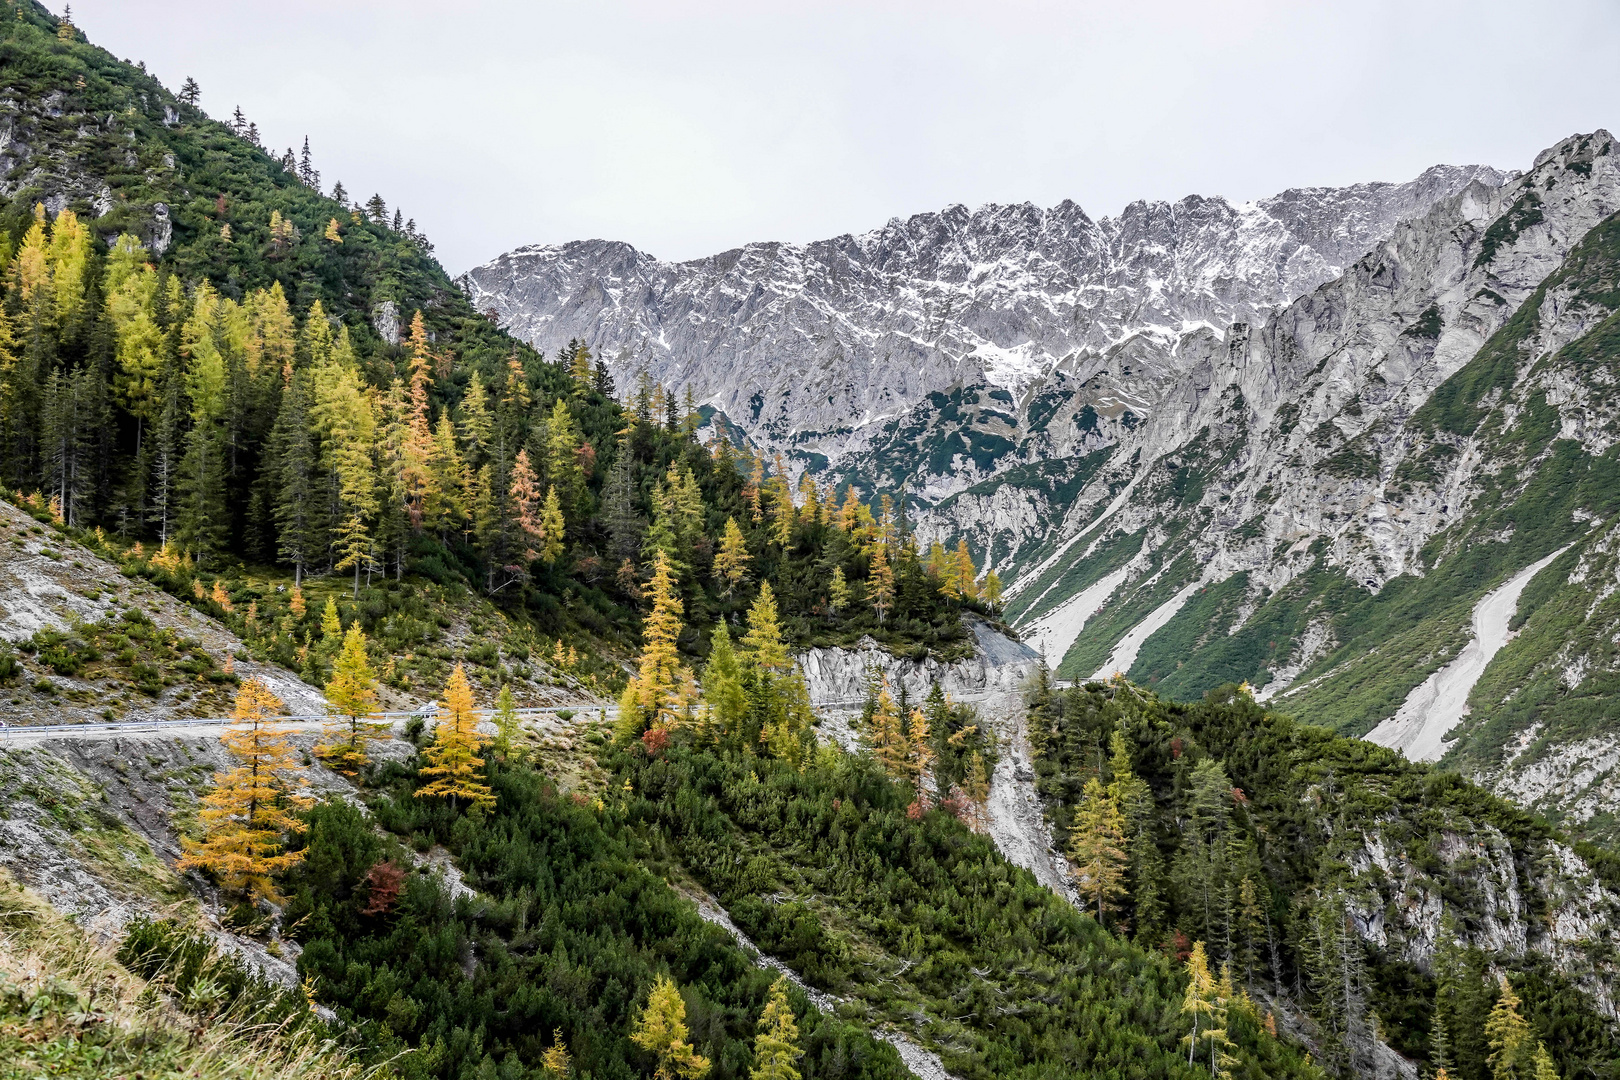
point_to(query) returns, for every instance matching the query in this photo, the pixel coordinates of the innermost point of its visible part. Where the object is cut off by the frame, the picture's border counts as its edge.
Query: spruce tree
(291, 464)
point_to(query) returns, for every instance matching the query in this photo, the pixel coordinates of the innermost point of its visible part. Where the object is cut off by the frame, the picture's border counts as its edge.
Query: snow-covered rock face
(823, 338)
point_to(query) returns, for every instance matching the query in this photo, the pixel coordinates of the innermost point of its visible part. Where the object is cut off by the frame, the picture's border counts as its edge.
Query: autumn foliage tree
(661, 1031)
(351, 695)
(776, 1046)
(663, 692)
(251, 809)
(453, 762)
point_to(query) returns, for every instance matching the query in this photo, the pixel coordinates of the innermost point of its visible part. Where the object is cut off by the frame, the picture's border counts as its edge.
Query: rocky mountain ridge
(999, 296)
(1232, 446)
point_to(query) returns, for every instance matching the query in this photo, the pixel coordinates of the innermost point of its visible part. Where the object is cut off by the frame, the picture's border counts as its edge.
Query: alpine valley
(1295, 442)
(537, 676)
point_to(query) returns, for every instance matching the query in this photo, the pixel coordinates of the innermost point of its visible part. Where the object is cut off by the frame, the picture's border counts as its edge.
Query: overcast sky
(689, 127)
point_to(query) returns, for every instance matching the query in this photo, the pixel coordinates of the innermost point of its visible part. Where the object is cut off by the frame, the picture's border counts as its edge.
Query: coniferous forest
(242, 384)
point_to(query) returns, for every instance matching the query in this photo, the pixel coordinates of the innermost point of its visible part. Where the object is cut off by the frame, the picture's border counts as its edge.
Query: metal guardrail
(426, 712)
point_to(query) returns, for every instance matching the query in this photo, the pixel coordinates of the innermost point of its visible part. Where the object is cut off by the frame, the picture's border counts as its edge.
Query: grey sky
(687, 127)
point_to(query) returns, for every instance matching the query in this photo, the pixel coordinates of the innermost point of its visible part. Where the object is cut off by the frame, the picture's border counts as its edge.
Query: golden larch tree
(764, 637)
(731, 563)
(552, 528)
(776, 1045)
(654, 697)
(838, 590)
(1097, 848)
(453, 760)
(661, 1031)
(888, 737)
(351, 697)
(251, 808)
(556, 1062)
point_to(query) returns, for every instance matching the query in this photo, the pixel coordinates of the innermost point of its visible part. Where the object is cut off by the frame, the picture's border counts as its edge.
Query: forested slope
(227, 378)
(1379, 897)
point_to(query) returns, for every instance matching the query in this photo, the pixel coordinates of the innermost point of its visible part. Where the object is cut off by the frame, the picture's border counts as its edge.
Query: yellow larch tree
(654, 697)
(526, 506)
(881, 582)
(553, 527)
(417, 455)
(967, 575)
(556, 1063)
(453, 761)
(661, 1031)
(352, 706)
(838, 590)
(731, 563)
(920, 754)
(888, 736)
(1097, 848)
(776, 1044)
(332, 233)
(251, 809)
(764, 637)
(992, 591)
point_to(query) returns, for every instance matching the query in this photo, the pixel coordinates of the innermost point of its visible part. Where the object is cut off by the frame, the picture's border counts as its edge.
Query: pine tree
(291, 466)
(250, 810)
(190, 92)
(731, 564)
(352, 697)
(776, 1046)
(203, 522)
(660, 1030)
(453, 760)
(619, 516)
(444, 507)
(1097, 848)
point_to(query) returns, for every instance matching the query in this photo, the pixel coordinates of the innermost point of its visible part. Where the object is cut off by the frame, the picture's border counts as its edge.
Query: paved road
(31, 735)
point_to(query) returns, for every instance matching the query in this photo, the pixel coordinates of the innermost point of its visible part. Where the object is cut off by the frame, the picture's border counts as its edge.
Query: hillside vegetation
(1379, 897)
(234, 379)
